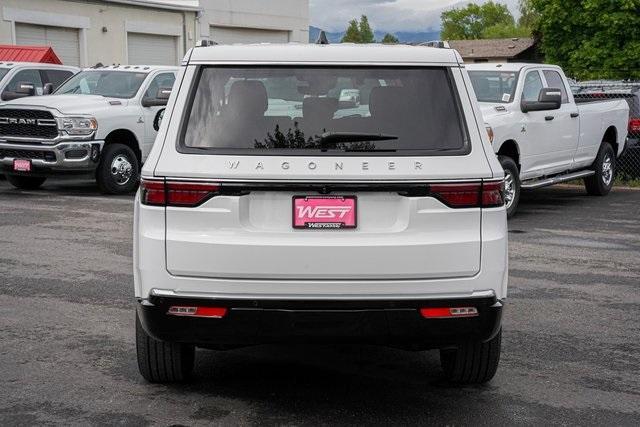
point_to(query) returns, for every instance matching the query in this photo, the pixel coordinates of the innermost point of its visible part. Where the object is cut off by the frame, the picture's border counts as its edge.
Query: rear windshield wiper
(331, 139)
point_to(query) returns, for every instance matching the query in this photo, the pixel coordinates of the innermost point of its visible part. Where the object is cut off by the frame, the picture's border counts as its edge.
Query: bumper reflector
(213, 312)
(444, 312)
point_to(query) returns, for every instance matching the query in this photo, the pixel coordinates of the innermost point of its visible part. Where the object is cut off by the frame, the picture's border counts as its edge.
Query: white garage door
(65, 41)
(226, 35)
(152, 49)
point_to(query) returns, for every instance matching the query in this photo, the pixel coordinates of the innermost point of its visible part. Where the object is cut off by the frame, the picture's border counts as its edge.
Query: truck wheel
(511, 184)
(162, 362)
(26, 182)
(118, 171)
(601, 182)
(473, 362)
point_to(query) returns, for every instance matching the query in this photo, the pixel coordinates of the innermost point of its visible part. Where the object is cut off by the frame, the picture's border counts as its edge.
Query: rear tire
(118, 171)
(472, 362)
(601, 182)
(511, 184)
(162, 362)
(26, 182)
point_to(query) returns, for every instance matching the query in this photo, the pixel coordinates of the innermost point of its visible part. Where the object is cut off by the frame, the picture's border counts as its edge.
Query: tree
(471, 21)
(591, 38)
(529, 16)
(366, 33)
(390, 39)
(505, 31)
(352, 35)
(358, 32)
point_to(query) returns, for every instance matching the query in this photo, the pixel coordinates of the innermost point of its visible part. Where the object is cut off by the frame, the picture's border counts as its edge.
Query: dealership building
(86, 32)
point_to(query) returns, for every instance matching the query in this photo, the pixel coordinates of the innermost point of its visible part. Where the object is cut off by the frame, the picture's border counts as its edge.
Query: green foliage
(529, 16)
(352, 35)
(390, 39)
(358, 32)
(366, 33)
(502, 31)
(470, 22)
(591, 38)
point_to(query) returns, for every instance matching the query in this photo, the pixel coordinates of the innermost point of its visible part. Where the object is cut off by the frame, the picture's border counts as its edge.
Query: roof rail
(205, 43)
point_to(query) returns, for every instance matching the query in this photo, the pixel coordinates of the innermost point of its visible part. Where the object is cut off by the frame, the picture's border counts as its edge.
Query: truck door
(565, 123)
(162, 79)
(547, 143)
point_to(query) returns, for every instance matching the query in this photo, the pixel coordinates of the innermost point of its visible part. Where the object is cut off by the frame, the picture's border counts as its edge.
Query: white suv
(267, 213)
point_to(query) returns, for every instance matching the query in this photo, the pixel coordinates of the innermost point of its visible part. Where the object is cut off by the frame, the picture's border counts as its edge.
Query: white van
(258, 224)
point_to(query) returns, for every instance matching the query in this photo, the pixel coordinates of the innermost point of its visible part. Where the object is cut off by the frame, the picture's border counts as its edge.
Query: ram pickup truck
(541, 136)
(22, 79)
(101, 121)
(320, 222)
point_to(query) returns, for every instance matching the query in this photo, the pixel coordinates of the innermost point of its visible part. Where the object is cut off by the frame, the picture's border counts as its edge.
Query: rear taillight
(634, 126)
(176, 193)
(492, 194)
(457, 195)
(469, 195)
(152, 193)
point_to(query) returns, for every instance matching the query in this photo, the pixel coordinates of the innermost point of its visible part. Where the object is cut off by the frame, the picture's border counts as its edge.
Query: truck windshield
(3, 72)
(113, 84)
(304, 109)
(494, 86)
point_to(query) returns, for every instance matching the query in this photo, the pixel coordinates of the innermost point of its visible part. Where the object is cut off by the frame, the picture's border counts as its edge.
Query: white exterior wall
(279, 15)
(118, 17)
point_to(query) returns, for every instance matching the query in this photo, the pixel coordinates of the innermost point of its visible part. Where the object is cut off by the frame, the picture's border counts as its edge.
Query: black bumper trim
(252, 322)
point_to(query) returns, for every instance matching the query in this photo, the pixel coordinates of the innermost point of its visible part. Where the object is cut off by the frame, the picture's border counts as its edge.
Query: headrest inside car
(248, 97)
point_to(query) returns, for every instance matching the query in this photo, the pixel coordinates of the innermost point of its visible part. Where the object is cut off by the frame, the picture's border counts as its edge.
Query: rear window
(333, 111)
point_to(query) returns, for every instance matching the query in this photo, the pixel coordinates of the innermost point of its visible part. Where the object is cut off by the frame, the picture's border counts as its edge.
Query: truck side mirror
(548, 99)
(22, 90)
(161, 99)
(26, 89)
(47, 89)
(164, 93)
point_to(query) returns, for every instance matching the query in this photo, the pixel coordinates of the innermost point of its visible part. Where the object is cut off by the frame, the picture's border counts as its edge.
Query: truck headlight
(489, 132)
(78, 125)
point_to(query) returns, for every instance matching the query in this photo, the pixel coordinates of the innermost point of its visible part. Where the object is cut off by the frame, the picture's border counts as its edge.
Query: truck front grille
(26, 154)
(27, 124)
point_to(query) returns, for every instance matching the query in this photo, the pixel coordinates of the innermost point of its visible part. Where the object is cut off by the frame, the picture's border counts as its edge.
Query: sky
(386, 15)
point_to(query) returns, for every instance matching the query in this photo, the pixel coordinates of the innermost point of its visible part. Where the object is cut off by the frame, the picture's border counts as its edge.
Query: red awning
(43, 54)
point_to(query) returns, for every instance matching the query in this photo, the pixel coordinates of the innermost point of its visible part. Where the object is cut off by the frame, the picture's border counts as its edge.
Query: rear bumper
(250, 322)
(63, 157)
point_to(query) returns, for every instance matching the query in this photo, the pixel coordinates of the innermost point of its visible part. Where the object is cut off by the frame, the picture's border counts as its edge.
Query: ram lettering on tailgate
(323, 212)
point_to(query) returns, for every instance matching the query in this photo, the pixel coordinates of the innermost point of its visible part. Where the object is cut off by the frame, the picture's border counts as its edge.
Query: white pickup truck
(22, 79)
(541, 136)
(101, 121)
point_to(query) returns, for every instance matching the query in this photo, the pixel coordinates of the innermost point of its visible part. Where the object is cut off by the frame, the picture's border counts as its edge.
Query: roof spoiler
(205, 43)
(322, 38)
(441, 44)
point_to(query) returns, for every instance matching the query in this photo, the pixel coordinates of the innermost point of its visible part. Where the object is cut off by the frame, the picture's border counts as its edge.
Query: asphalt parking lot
(571, 343)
